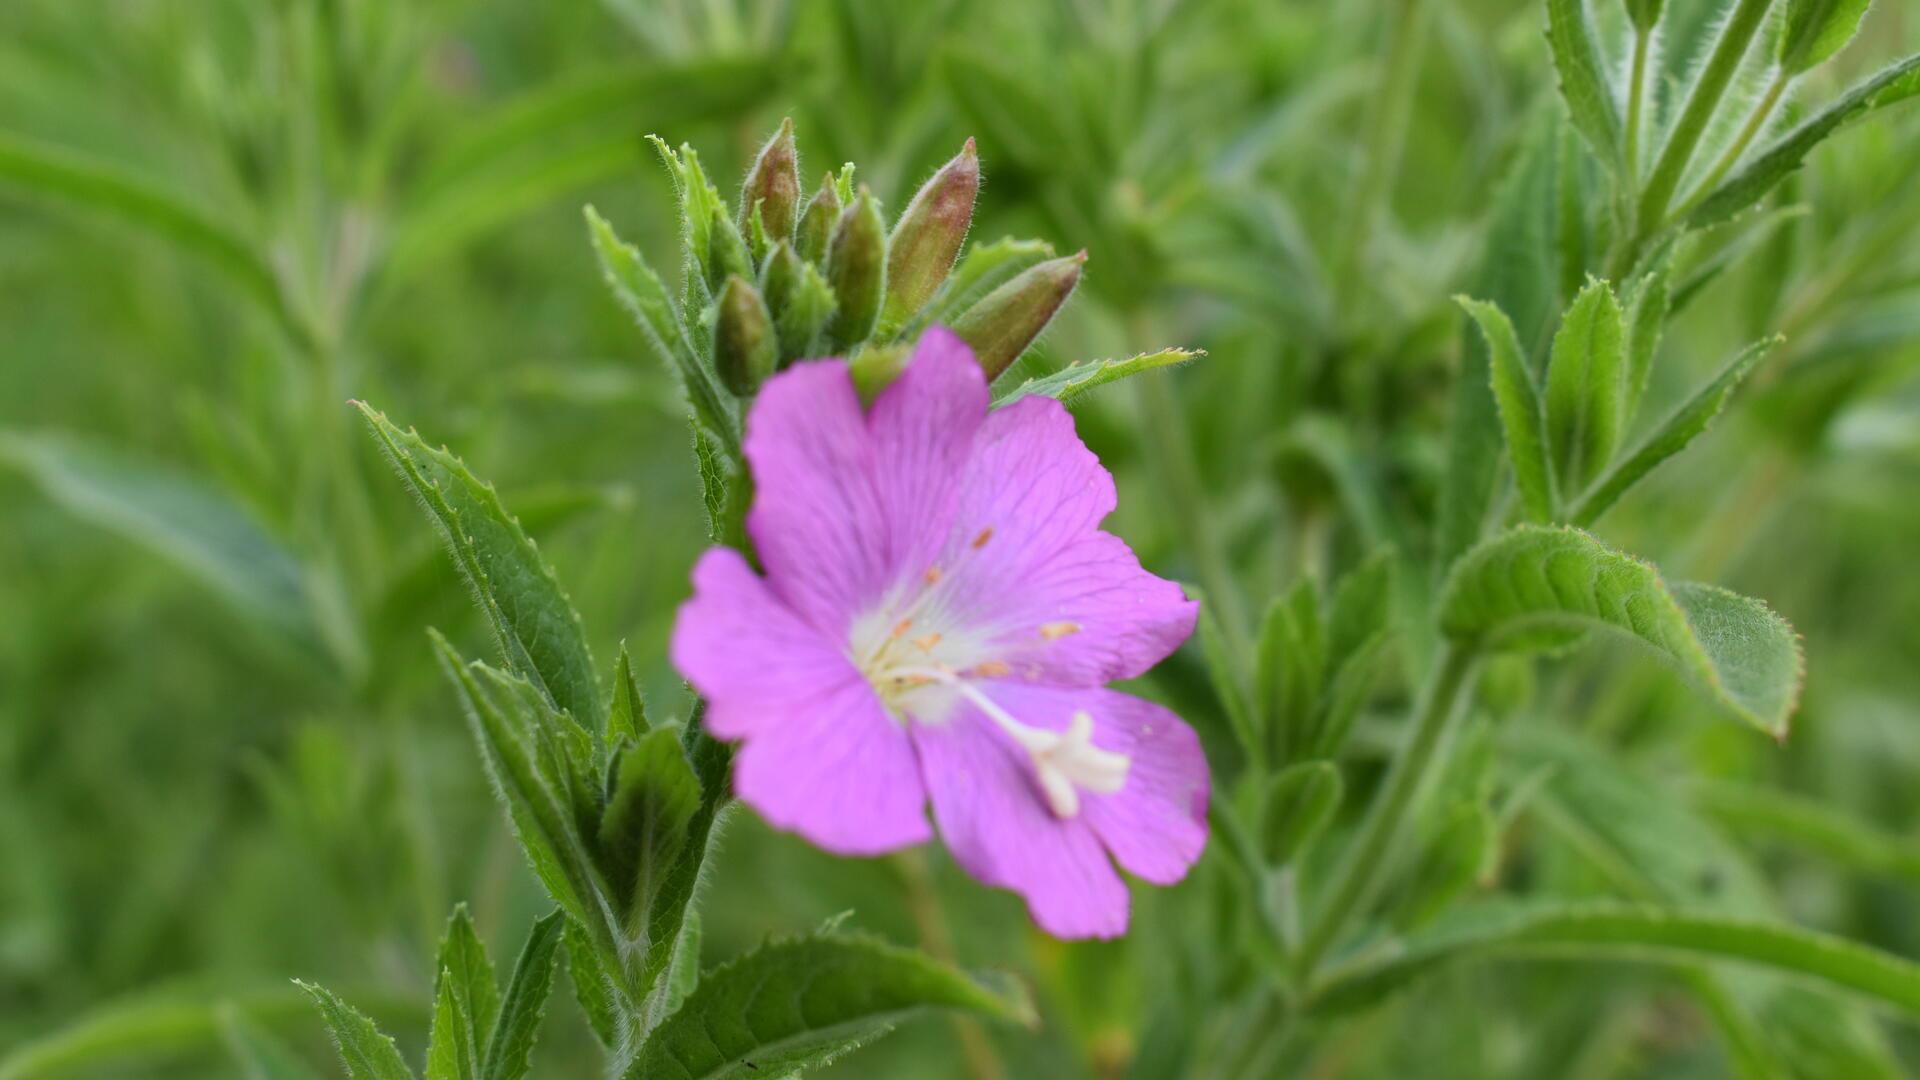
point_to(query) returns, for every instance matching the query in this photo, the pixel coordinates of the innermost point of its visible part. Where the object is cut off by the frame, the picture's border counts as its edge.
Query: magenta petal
(922, 428)
(840, 772)
(1064, 602)
(1156, 825)
(816, 521)
(748, 653)
(995, 824)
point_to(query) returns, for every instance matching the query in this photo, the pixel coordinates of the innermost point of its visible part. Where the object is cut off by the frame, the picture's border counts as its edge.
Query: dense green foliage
(1529, 327)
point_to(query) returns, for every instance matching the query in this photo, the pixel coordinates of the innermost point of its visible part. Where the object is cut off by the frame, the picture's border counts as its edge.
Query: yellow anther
(986, 534)
(1054, 631)
(926, 642)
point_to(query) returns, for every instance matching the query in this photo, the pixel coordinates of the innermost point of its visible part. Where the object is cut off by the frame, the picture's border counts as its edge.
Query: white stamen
(1063, 761)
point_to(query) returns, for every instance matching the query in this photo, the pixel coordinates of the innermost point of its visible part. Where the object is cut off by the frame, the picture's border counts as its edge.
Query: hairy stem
(1418, 762)
(1637, 101)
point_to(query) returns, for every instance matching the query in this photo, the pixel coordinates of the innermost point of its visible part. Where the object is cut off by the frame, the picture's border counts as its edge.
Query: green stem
(1418, 762)
(1636, 101)
(1704, 99)
(1762, 112)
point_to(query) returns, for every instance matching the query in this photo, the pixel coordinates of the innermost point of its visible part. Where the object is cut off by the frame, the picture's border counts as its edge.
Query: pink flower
(938, 620)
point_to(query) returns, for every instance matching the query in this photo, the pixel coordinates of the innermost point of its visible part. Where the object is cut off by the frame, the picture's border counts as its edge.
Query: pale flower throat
(906, 651)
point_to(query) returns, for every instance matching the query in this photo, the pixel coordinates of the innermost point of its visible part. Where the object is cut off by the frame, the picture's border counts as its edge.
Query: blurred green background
(226, 758)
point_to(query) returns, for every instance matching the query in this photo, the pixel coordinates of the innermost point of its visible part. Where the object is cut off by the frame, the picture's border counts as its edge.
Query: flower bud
(928, 237)
(857, 270)
(726, 251)
(816, 223)
(1006, 320)
(774, 184)
(800, 300)
(744, 350)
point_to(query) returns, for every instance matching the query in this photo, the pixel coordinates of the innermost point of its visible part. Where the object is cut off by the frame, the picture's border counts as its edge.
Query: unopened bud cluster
(776, 279)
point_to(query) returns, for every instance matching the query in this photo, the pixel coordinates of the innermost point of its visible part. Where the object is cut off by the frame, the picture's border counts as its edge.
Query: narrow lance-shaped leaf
(525, 1002)
(1531, 587)
(1601, 932)
(1646, 318)
(367, 1054)
(591, 985)
(1784, 155)
(654, 799)
(1586, 386)
(1516, 272)
(466, 1002)
(640, 291)
(1675, 433)
(627, 715)
(1583, 77)
(1300, 800)
(95, 187)
(1069, 383)
(183, 520)
(801, 1004)
(1521, 414)
(542, 816)
(539, 633)
(1813, 30)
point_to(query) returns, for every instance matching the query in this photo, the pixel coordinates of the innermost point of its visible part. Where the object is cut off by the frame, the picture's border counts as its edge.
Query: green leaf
(189, 524)
(1300, 800)
(672, 906)
(1583, 77)
(796, 1005)
(1346, 693)
(1362, 607)
(591, 987)
(627, 713)
(1675, 433)
(525, 1002)
(69, 179)
(1784, 155)
(1453, 860)
(466, 1002)
(1521, 415)
(1586, 386)
(641, 292)
(683, 974)
(985, 268)
(654, 799)
(1617, 932)
(367, 1054)
(1646, 317)
(1813, 30)
(1070, 382)
(1532, 586)
(1290, 671)
(537, 629)
(1517, 272)
(497, 708)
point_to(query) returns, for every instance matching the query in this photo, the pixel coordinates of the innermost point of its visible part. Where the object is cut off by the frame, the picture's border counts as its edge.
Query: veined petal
(922, 428)
(994, 820)
(839, 771)
(816, 521)
(749, 654)
(1029, 569)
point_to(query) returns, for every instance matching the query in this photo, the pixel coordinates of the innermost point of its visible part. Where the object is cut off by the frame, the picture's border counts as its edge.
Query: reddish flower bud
(928, 237)
(1006, 320)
